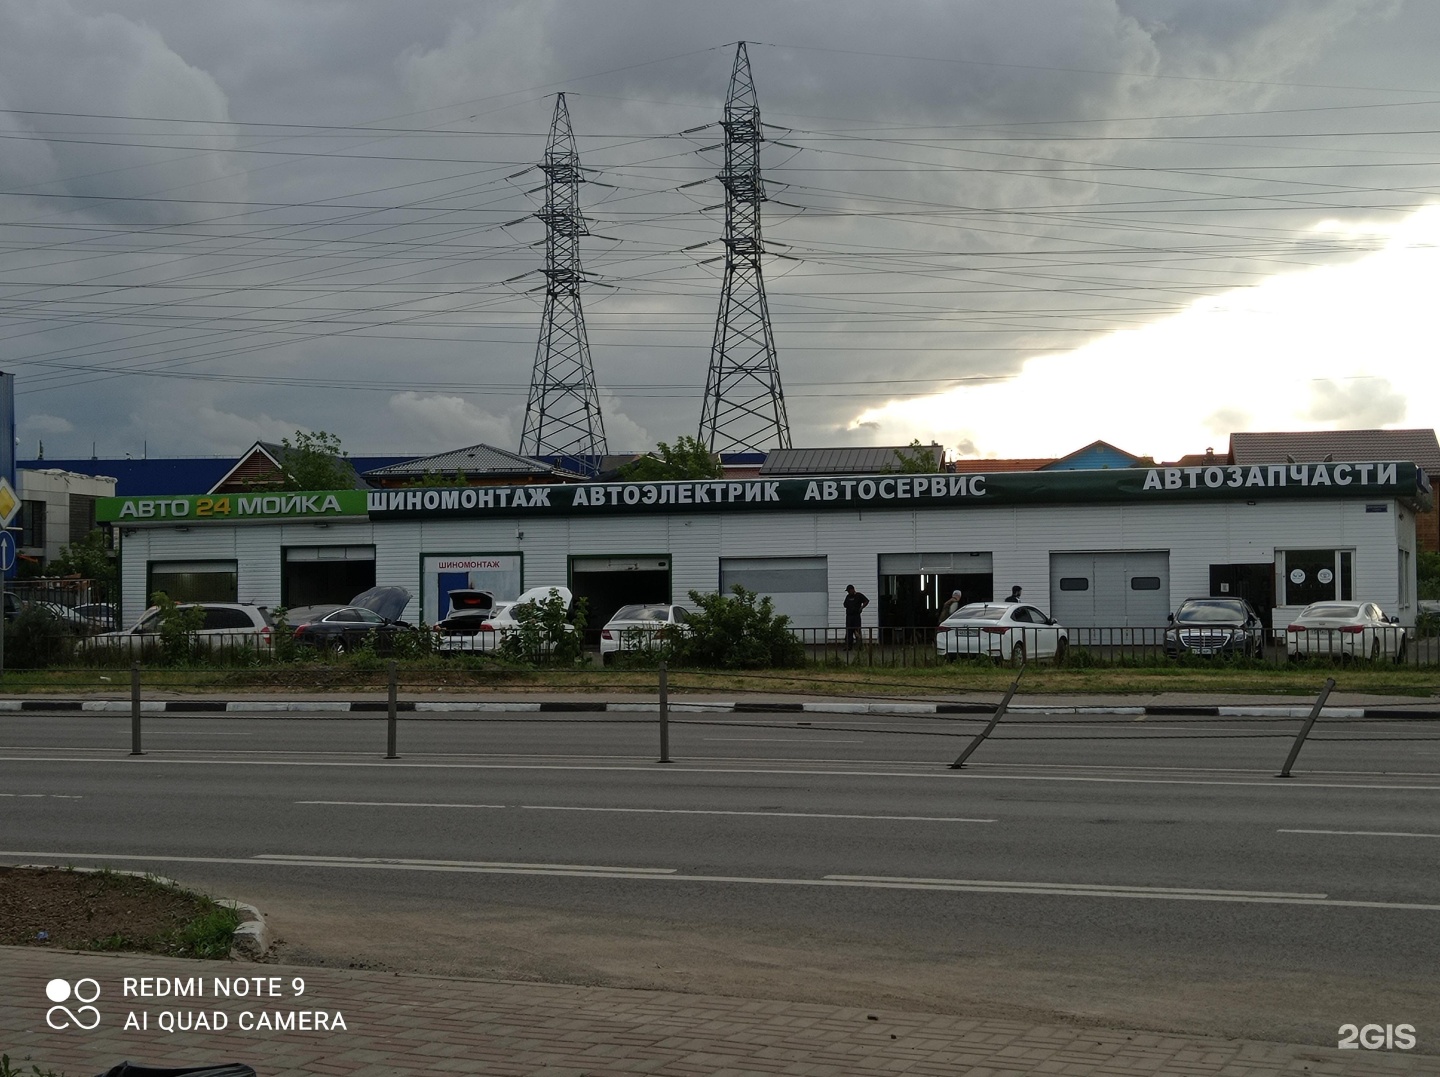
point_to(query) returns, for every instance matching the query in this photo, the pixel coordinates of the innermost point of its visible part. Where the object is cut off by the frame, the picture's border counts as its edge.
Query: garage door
(1110, 590)
(799, 586)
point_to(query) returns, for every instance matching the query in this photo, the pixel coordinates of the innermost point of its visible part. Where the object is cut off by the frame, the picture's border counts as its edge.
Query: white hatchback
(1004, 631)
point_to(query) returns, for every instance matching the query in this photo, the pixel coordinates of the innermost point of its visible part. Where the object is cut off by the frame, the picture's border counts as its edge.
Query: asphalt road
(1151, 872)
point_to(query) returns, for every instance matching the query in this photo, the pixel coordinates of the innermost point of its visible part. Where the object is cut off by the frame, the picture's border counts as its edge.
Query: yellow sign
(9, 503)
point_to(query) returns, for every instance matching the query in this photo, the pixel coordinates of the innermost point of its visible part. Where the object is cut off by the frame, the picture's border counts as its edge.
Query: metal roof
(1309, 446)
(475, 460)
(857, 460)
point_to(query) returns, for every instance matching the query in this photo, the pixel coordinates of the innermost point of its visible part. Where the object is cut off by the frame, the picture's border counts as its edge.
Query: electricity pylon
(562, 416)
(744, 406)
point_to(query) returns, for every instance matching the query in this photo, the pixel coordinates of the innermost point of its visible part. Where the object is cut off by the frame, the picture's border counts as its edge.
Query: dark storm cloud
(964, 185)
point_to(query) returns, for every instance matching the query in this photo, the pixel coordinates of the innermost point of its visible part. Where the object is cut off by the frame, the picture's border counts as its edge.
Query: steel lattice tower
(744, 405)
(562, 416)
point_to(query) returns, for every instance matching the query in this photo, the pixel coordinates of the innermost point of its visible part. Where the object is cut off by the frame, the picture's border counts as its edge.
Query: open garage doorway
(312, 575)
(913, 586)
(607, 583)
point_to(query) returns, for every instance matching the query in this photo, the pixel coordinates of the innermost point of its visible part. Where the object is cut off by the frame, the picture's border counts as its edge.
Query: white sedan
(1004, 631)
(639, 628)
(1345, 630)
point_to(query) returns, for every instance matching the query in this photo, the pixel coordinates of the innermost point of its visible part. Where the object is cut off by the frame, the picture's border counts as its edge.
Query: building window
(1074, 583)
(82, 517)
(1308, 576)
(194, 581)
(32, 524)
(1144, 583)
(1405, 572)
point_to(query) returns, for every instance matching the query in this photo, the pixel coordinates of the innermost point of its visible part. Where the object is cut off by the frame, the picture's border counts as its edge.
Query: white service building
(1106, 548)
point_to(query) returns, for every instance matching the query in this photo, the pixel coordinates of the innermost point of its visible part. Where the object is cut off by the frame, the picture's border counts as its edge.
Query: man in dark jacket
(854, 603)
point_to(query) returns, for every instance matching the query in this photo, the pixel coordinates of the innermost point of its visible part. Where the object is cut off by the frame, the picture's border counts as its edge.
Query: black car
(343, 628)
(1215, 626)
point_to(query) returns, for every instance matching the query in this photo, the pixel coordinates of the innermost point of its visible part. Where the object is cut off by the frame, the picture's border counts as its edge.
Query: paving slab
(398, 1025)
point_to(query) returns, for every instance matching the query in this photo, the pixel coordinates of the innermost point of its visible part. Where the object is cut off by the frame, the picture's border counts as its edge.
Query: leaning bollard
(135, 709)
(1305, 729)
(390, 718)
(994, 721)
(664, 715)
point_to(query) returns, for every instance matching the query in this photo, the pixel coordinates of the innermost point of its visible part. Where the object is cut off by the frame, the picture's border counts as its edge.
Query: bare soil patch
(103, 910)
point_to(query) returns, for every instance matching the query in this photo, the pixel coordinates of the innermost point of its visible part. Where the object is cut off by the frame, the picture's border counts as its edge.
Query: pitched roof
(472, 461)
(975, 466)
(853, 460)
(1308, 446)
(1101, 452)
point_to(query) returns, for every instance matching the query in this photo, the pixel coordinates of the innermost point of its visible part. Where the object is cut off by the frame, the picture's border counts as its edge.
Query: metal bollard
(1305, 729)
(994, 721)
(135, 709)
(664, 714)
(390, 718)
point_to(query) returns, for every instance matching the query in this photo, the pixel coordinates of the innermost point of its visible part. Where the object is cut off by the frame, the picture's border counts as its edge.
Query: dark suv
(1215, 626)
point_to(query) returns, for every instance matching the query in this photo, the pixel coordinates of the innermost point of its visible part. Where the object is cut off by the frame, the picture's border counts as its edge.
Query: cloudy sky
(1010, 228)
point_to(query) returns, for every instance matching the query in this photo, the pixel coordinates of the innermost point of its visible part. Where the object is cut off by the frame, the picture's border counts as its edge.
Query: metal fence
(78, 645)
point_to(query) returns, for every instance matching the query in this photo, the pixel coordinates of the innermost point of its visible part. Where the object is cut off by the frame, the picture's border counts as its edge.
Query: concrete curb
(896, 709)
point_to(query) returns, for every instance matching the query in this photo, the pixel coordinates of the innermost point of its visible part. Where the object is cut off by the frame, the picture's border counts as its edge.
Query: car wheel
(339, 646)
(1375, 650)
(607, 658)
(1062, 651)
(1017, 655)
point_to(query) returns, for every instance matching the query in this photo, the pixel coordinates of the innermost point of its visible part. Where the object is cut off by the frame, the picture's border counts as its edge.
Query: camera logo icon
(84, 1016)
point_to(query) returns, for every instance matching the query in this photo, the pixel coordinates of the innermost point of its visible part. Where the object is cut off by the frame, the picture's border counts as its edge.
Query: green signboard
(1132, 485)
(323, 504)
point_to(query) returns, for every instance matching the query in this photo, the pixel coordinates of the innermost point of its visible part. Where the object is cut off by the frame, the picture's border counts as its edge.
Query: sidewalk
(1167, 704)
(398, 1025)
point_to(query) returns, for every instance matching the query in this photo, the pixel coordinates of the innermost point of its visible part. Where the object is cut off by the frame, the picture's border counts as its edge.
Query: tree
(88, 559)
(688, 458)
(315, 461)
(919, 459)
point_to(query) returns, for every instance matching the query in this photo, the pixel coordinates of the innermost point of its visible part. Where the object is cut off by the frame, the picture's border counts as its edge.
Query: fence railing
(64, 644)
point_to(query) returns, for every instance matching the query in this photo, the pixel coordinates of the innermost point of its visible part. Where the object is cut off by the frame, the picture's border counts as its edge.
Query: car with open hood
(370, 615)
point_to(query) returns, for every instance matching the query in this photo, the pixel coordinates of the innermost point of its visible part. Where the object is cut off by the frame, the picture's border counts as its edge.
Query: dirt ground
(89, 910)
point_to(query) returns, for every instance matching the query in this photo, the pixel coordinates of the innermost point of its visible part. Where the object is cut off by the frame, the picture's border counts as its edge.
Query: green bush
(36, 639)
(737, 631)
(543, 633)
(179, 630)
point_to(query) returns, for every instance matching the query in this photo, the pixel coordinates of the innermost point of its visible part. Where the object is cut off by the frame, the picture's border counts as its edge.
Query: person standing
(951, 604)
(854, 603)
(1014, 594)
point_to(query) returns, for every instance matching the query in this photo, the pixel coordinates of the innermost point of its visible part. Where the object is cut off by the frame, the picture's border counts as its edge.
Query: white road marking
(649, 811)
(394, 804)
(1362, 833)
(781, 814)
(1072, 887)
(941, 771)
(161, 731)
(776, 740)
(39, 796)
(485, 865)
(672, 875)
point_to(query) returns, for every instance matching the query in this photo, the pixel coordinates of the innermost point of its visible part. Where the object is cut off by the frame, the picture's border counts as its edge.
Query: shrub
(179, 629)
(737, 631)
(36, 639)
(543, 633)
